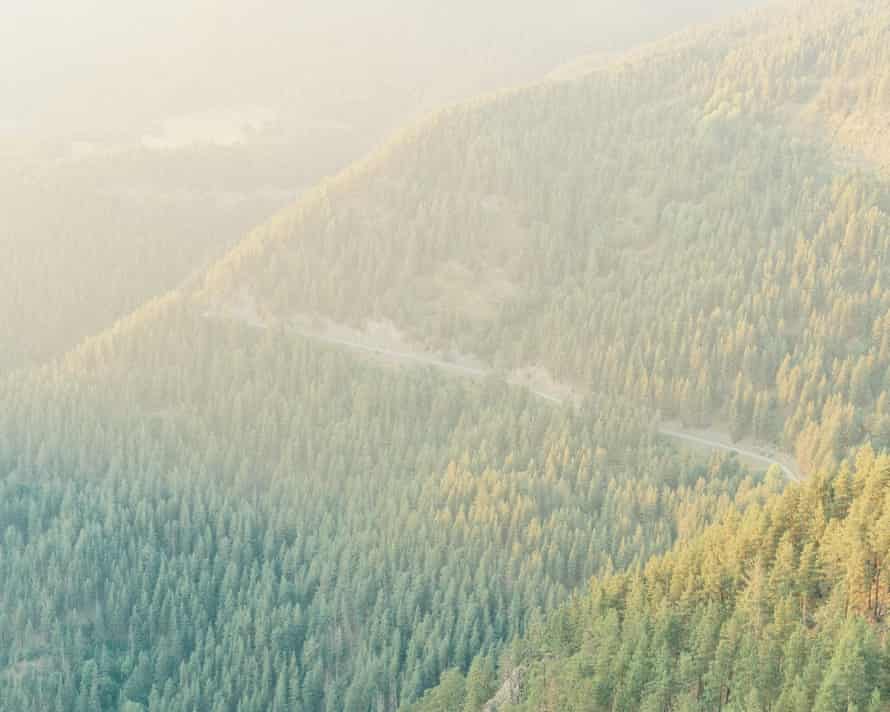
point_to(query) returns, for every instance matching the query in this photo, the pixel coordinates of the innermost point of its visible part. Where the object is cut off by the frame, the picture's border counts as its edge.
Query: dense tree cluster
(198, 515)
(779, 609)
(676, 228)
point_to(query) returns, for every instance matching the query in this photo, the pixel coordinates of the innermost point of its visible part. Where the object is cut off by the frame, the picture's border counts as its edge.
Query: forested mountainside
(203, 509)
(197, 515)
(678, 228)
(112, 197)
(780, 609)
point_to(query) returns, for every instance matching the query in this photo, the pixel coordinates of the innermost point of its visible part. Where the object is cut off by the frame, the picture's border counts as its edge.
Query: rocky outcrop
(510, 691)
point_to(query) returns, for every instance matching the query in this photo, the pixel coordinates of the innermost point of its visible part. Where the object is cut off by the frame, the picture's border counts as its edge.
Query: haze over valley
(410, 357)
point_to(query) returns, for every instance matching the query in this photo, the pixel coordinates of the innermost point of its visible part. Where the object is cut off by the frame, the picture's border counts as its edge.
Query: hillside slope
(684, 228)
(201, 514)
(196, 515)
(782, 609)
(112, 196)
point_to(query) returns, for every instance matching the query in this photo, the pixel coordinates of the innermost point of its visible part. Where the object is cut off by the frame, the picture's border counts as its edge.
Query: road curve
(718, 444)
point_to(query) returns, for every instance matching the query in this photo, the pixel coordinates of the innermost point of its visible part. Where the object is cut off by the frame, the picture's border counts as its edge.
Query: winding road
(695, 438)
(699, 438)
(427, 360)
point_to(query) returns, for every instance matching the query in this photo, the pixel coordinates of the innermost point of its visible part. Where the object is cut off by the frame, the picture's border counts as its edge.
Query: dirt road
(700, 438)
(711, 441)
(717, 443)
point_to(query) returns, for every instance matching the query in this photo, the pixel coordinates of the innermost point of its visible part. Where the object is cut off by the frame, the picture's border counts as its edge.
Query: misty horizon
(423, 357)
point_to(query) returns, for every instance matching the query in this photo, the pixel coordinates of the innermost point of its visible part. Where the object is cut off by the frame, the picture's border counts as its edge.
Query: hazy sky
(75, 65)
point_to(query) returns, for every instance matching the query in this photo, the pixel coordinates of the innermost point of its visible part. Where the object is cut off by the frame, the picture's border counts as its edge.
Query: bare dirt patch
(387, 342)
